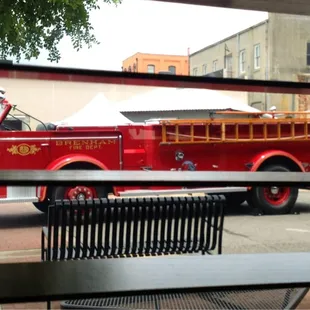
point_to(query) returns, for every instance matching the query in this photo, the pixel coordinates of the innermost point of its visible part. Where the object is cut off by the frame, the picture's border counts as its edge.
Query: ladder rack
(234, 130)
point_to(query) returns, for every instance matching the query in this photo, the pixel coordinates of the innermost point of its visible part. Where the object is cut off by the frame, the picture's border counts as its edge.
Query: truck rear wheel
(273, 199)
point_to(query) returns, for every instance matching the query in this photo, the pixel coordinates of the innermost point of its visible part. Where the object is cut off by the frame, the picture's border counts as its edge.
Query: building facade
(156, 63)
(275, 49)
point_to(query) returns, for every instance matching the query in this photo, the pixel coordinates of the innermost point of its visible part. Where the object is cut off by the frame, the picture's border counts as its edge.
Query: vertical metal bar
(183, 211)
(106, 208)
(190, 218)
(306, 130)
(197, 221)
(78, 231)
(156, 219)
(142, 247)
(202, 219)
(136, 207)
(85, 228)
(215, 211)
(163, 215)
(115, 226)
(50, 224)
(101, 206)
(128, 205)
(221, 226)
(57, 211)
(63, 230)
(176, 224)
(94, 209)
(171, 210)
(72, 208)
(150, 218)
(209, 210)
(122, 221)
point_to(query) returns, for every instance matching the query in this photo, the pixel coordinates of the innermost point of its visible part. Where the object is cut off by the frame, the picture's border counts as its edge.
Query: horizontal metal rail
(31, 282)
(300, 7)
(153, 80)
(164, 178)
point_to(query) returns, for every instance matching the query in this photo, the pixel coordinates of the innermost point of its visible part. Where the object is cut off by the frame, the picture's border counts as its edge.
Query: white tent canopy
(98, 112)
(175, 99)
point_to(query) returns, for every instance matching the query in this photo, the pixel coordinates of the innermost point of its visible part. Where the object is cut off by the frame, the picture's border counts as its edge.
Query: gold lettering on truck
(23, 149)
(87, 144)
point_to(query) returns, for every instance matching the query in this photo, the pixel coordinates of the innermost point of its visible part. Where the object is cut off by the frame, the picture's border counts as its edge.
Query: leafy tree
(27, 26)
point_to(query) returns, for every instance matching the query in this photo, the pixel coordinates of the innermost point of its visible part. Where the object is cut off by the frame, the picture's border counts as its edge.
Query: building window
(134, 67)
(308, 54)
(257, 56)
(172, 69)
(129, 68)
(150, 69)
(242, 61)
(195, 71)
(204, 69)
(214, 65)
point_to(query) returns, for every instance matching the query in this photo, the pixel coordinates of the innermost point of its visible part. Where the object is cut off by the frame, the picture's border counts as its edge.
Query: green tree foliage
(28, 26)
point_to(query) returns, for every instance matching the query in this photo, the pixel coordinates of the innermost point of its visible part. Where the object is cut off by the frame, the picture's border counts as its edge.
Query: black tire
(235, 199)
(43, 205)
(259, 201)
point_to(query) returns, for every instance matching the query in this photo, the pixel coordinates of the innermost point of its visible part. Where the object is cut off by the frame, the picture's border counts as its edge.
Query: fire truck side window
(13, 124)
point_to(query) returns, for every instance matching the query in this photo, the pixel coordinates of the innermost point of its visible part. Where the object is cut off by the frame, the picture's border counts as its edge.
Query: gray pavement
(20, 228)
(261, 234)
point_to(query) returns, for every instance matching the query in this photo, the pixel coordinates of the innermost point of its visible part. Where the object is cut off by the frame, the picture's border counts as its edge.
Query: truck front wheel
(76, 192)
(273, 199)
(79, 193)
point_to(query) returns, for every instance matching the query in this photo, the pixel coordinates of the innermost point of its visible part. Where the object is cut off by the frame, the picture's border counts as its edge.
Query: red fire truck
(217, 144)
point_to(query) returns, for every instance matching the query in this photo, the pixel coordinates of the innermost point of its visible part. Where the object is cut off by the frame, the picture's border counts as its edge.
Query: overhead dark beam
(164, 178)
(144, 79)
(299, 7)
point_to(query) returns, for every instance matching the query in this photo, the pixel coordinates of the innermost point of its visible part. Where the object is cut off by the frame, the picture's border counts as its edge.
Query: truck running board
(198, 191)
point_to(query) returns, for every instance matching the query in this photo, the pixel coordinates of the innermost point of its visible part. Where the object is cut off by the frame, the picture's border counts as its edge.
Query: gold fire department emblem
(23, 149)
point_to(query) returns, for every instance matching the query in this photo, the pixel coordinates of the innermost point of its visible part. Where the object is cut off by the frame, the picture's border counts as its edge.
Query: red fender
(260, 158)
(66, 160)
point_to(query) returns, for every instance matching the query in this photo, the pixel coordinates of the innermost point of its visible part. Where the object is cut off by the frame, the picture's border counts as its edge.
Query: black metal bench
(114, 228)
(109, 228)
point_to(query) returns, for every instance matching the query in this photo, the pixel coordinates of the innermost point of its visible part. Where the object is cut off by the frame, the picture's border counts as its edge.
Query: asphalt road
(20, 228)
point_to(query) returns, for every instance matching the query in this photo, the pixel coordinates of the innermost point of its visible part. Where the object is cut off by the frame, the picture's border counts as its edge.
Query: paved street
(20, 227)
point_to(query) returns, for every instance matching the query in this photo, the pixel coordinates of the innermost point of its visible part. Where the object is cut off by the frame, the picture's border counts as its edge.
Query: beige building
(275, 49)
(52, 100)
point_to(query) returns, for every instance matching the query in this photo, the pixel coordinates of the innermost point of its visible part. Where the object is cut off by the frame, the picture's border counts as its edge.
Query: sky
(151, 27)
